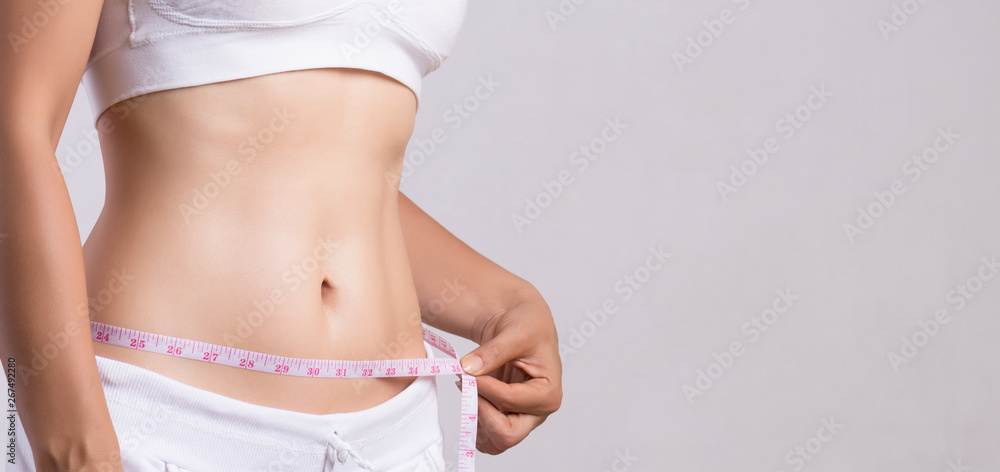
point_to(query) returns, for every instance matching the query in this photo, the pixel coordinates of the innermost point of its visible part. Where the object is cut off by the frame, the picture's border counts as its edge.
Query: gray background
(655, 185)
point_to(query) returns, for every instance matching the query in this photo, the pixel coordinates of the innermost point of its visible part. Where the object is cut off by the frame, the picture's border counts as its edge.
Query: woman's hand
(519, 373)
(79, 458)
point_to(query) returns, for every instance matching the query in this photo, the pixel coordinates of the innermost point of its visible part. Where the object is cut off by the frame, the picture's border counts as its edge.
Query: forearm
(456, 286)
(44, 319)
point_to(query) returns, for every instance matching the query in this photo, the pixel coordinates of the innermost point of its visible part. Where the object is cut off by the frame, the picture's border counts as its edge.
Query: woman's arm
(456, 286)
(44, 319)
(517, 363)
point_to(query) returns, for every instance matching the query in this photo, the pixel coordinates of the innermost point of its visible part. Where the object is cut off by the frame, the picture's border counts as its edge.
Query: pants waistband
(202, 430)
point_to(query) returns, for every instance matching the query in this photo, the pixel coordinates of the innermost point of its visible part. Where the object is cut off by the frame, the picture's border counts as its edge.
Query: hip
(163, 424)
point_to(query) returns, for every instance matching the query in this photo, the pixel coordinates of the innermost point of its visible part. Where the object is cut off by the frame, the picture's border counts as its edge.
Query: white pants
(167, 426)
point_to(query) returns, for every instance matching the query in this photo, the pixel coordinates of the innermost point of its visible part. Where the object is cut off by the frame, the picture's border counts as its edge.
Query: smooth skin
(308, 230)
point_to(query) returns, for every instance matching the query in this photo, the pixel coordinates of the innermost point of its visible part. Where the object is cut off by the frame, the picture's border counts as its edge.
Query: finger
(507, 345)
(488, 419)
(535, 396)
(498, 432)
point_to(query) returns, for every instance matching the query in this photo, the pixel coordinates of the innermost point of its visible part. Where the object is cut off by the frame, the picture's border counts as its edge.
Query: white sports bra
(143, 46)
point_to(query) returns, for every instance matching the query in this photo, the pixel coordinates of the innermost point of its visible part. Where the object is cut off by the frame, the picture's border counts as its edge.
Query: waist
(121, 381)
(322, 265)
(290, 285)
(259, 214)
(166, 422)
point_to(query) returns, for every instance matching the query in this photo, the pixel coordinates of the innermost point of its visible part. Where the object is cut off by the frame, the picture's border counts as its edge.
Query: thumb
(489, 356)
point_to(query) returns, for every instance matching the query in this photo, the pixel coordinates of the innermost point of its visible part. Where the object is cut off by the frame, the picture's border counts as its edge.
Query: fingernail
(472, 364)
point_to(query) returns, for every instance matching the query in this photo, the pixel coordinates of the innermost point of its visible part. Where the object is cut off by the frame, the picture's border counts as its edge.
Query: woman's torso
(260, 213)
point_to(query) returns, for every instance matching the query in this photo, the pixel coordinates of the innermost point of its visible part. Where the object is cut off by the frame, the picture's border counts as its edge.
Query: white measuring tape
(337, 369)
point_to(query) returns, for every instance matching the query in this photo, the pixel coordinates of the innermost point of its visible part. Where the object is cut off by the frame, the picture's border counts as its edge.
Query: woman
(252, 158)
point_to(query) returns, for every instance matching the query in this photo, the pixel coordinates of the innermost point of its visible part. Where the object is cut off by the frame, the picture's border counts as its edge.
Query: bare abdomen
(260, 214)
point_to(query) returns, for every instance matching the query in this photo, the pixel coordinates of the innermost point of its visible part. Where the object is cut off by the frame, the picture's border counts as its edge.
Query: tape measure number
(326, 368)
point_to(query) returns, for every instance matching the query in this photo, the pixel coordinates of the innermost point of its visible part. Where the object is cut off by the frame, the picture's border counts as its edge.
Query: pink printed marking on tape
(326, 368)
